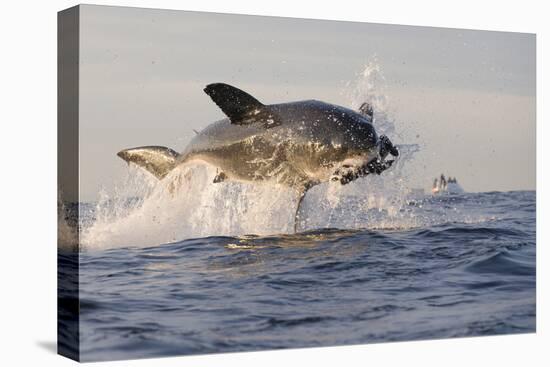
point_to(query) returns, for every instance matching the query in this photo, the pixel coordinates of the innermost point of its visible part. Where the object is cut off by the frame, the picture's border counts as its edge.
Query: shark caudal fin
(156, 160)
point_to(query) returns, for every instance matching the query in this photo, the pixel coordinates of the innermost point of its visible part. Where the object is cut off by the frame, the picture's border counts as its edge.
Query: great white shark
(296, 144)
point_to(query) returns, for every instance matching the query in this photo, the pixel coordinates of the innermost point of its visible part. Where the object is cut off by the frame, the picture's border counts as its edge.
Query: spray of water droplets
(145, 212)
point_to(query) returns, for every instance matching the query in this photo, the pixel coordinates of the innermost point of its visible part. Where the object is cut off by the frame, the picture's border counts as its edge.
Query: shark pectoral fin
(155, 159)
(220, 177)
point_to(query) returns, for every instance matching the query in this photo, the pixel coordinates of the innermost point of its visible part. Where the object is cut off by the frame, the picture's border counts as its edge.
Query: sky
(466, 97)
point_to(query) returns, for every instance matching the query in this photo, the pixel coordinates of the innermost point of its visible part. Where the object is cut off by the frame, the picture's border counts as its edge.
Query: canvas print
(239, 183)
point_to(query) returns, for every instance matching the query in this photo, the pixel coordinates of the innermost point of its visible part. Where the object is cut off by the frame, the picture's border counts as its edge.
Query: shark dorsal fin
(239, 106)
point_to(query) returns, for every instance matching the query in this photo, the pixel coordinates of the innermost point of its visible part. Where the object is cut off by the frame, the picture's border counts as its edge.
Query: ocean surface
(431, 267)
(200, 268)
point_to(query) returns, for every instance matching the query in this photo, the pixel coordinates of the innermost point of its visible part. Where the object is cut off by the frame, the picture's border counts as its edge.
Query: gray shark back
(305, 122)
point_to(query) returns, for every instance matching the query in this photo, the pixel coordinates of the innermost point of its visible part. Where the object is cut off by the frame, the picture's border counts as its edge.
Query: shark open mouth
(348, 173)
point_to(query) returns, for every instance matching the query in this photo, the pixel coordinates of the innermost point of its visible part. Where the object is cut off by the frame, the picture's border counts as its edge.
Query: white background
(28, 182)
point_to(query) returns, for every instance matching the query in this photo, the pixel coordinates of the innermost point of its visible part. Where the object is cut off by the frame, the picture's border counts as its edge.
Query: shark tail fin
(158, 161)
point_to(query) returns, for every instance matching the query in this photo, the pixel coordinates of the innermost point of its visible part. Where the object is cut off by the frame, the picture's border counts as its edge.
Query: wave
(504, 263)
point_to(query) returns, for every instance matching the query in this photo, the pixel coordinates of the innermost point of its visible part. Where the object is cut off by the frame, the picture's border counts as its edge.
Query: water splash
(162, 213)
(143, 211)
(370, 86)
